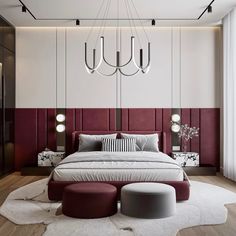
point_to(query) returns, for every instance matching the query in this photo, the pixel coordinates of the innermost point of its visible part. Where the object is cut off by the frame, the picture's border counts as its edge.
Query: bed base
(55, 188)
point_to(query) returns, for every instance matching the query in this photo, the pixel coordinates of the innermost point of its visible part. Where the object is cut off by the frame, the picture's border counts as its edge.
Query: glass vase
(184, 145)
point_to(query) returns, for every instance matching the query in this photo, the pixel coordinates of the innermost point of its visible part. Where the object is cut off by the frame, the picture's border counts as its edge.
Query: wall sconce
(60, 117)
(175, 123)
(60, 128)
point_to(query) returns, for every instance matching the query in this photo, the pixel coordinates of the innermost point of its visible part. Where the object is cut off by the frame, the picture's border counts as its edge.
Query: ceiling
(64, 12)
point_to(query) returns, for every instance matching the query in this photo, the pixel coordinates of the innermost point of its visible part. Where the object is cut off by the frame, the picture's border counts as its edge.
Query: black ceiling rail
(205, 10)
(115, 19)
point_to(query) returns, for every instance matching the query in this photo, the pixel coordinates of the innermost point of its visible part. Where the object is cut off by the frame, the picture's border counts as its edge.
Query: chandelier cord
(94, 22)
(102, 27)
(140, 21)
(128, 16)
(135, 28)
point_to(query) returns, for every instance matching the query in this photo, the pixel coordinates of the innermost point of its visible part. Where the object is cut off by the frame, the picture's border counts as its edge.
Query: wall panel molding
(185, 70)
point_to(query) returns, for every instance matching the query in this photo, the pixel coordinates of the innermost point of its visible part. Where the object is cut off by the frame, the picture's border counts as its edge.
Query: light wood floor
(14, 181)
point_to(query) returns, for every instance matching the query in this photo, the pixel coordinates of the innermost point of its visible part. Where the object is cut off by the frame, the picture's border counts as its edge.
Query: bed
(118, 168)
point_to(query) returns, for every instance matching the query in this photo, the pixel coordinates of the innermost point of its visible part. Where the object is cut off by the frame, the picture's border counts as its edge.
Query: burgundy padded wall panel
(25, 137)
(112, 119)
(42, 126)
(70, 127)
(210, 136)
(142, 119)
(166, 118)
(159, 119)
(52, 138)
(125, 119)
(35, 129)
(195, 122)
(186, 119)
(78, 119)
(95, 119)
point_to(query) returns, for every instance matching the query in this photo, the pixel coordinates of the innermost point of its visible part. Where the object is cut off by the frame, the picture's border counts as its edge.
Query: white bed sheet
(119, 170)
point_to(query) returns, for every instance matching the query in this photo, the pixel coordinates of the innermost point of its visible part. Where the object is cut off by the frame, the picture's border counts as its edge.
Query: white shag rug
(205, 206)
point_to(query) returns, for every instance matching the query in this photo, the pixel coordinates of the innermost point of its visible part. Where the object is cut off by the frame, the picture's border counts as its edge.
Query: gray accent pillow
(119, 145)
(90, 143)
(146, 142)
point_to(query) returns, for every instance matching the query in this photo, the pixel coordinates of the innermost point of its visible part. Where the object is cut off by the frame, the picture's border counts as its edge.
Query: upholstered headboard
(162, 137)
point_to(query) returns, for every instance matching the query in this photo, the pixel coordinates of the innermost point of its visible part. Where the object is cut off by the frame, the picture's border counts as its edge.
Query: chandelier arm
(134, 73)
(95, 67)
(100, 73)
(109, 64)
(141, 67)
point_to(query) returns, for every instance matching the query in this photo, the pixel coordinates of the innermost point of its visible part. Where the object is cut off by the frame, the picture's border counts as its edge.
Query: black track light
(77, 22)
(23, 9)
(153, 22)
(209, 9)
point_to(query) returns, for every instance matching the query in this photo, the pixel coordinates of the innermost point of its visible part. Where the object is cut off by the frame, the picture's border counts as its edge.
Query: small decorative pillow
(90, 143)
(119, 145)
(147, 142)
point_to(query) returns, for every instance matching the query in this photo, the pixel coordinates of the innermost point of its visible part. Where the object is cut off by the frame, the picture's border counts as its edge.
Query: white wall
(185, 70)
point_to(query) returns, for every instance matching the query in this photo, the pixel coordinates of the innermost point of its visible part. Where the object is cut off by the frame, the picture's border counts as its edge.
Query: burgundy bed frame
(55, 188)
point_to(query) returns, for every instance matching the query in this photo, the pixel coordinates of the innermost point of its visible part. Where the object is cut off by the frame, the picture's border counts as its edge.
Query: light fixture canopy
(60, 117)
(60, 128)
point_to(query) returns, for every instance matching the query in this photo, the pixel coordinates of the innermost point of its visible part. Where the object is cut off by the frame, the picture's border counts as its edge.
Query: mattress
(118, 166)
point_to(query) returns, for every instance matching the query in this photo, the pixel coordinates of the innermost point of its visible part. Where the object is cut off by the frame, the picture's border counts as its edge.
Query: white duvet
(118, 166)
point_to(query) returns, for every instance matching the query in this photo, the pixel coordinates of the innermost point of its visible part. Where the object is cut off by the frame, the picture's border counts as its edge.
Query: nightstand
(190, 163)
(186, 158)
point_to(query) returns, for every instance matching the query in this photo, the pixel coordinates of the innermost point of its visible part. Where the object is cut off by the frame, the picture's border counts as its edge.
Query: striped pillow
(119, 145)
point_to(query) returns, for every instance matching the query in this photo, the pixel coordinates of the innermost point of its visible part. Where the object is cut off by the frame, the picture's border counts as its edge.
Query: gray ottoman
(148, 200)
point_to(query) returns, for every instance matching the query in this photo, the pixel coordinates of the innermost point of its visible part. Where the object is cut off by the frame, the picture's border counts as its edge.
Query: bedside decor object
(49, 158)
(186, 158)
(186, 133)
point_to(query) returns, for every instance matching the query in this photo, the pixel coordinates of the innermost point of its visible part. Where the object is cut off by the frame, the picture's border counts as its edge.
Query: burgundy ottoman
(89, 200)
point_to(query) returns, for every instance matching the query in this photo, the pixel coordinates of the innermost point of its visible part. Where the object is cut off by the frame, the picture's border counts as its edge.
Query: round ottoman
(148, 200)
(89, 200)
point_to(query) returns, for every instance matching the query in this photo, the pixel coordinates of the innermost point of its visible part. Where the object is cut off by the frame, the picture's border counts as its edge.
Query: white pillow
(90, 143)
(147, 142)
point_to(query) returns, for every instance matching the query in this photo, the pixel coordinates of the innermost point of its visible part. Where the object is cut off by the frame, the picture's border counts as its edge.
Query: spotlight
(153, 22)
(209, 9)
(23, 9)
(77, 22)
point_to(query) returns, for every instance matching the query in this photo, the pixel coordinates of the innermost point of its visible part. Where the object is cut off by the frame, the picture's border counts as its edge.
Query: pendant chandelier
(118, 67)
